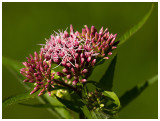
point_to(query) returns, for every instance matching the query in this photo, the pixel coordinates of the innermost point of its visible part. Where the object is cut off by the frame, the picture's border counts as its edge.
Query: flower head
(75, 52)
(62, 47)
(38, 71)
(99, 43)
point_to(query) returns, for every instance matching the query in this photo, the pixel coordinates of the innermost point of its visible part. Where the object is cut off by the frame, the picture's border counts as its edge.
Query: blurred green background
(27, 24)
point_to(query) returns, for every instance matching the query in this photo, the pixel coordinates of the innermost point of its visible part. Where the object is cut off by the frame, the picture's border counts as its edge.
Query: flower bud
(68, 65)
(93, 62)
(109, 53)
(89, 59)
(82, 61)
(60, 74)
(74, 82)
(72, 69)
(26, 80)
(65, 70)
(106, 58)
(84, 71)
(71, 29)
(83, 80)
(101, 31)
(69, 76)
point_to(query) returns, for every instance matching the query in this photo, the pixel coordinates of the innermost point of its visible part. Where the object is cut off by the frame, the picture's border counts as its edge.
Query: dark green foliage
(106, 82)
(75, 106)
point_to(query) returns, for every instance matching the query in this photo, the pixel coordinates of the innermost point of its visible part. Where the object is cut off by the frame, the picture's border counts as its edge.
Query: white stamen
(41, 44)
(70, 63)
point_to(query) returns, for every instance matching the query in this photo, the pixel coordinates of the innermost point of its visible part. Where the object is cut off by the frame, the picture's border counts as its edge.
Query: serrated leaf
(133, 93)
(135, 28)
(106, 82)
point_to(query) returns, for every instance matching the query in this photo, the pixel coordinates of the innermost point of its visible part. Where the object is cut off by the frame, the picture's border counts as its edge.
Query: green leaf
(131, 94)
(106, 82)
(58, 108)
(113, 97)
(99, 61)
(41, 105)
(135, 28)
(75, 106)
(11, 64)
(99, 115)
(18, 98)
(86, 112)
(52, 100)
(14, 67)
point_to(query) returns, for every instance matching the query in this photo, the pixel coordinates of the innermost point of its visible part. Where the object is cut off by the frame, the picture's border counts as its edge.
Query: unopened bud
(83, 80)
(74, 82)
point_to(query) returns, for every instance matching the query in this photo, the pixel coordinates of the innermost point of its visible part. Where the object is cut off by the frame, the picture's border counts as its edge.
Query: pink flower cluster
(38, 71)
(75, 52)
